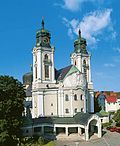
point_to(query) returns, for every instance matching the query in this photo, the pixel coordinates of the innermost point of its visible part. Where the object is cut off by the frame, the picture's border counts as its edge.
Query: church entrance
(93, 128)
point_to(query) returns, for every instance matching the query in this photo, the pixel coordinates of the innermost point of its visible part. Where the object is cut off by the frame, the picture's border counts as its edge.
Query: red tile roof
(118, 97)
(111, 99)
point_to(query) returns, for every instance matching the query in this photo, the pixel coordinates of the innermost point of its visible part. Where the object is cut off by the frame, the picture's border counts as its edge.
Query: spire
(42, 22)
(79, 33)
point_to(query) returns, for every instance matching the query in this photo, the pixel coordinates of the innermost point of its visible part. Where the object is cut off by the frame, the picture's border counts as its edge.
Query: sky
(99, 21)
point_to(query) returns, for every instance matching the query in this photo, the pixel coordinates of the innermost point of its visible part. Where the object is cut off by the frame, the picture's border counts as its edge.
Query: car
(112, 129)
(118, 129)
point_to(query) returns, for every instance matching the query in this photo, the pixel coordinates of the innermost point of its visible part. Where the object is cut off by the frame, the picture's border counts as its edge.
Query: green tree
(11, 107)
(117, 117)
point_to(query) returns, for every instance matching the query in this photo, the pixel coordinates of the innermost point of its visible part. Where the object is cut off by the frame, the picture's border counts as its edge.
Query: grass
(50, 144)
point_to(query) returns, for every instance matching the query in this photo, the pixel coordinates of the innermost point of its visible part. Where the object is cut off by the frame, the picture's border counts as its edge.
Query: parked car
(112, 129)
(118, 129)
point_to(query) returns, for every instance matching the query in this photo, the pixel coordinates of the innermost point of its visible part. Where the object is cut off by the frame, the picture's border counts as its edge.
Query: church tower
(43, 57)
(81, 59)
(43, 70)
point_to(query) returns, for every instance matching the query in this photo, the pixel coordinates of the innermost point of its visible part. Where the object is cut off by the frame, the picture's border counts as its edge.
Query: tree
(117, 117)
(11, 107)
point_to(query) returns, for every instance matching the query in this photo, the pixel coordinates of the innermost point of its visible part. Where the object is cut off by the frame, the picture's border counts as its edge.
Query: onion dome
(43, 37)
(80, 44)
(28, 78)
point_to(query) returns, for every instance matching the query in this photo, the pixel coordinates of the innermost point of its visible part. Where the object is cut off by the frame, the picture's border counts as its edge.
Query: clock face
(46, 40)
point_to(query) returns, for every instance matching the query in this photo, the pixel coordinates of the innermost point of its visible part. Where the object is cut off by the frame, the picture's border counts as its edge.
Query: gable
(65, 72)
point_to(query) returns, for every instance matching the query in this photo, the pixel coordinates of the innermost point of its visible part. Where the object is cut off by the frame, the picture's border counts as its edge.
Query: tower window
(46, 71)
(51, 104)
(66, 110)
(66, 97)
(84, 68)
(75, 97)
(36, 72)
(81, 97)
(46, 57)
(75, 63)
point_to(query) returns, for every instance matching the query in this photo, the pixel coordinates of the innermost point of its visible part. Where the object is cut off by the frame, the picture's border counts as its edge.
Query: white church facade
(62, 99)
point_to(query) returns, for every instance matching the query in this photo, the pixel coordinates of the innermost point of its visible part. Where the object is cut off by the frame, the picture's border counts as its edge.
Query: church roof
(64, 72)
(60, 74)
(28, 78)
(80, 118)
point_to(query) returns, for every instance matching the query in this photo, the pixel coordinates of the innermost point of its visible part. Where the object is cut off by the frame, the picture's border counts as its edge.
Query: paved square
(109, 139)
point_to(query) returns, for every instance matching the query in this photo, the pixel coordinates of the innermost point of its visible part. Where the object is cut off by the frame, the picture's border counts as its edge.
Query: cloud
(109, 65)
(75, 5)
(91, 25)
(72, 5)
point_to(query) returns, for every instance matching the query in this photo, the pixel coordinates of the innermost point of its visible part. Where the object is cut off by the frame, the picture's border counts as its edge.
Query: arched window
(84, 68)
(75, 97)
(66, 97)
(81, 97)
(46, 71)
(81, 109)
(66, 110)
(36, 72)
(75, 63)
(46, 57)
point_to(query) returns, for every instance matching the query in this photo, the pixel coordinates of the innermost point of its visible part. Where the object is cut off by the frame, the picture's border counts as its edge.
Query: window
(81, 109)
(75, 110)
(51, 104)
(46, 57)
(81, 97)
(66, 110)
(75, 97)
(36, 72)
(84, 68)
(51, 113)
(37, 129)
(66, 97)
(75, 63)
(46, 71)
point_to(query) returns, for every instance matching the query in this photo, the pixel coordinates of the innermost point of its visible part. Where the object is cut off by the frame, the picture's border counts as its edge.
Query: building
(108, 100)
(62, 99)
(112, 102)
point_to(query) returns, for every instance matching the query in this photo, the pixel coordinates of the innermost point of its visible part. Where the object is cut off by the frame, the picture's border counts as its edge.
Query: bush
(107, 124)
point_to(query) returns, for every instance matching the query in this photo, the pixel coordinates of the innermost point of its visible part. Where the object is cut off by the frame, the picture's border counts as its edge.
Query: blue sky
(99, 21)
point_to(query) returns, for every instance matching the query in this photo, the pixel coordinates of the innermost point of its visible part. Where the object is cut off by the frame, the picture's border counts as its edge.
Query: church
(60, 101)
